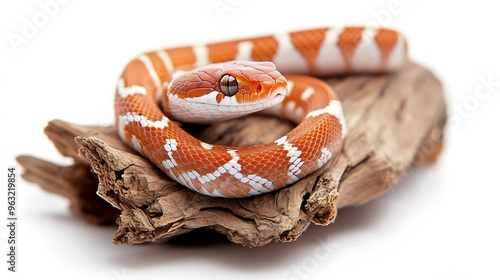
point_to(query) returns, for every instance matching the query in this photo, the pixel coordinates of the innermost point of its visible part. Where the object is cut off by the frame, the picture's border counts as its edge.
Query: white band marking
(308, 92)
(295, 160)
(367, 56)
(287, 58)
(201, 54)
(124, 91)
(152, 73)
(326, 155)
(166, 60)
(206, 146)
(330, 59)
(244, 51)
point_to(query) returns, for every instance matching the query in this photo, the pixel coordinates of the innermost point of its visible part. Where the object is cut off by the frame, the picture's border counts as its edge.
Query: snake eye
(228, 85)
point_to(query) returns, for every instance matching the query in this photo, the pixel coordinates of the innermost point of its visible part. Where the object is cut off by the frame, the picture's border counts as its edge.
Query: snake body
(224, 80)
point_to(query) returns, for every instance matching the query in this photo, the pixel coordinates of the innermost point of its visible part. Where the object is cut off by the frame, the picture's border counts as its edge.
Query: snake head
(228, 90)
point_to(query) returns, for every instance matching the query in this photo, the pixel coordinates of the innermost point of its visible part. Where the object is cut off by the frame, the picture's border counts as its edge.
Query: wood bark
(395, 122)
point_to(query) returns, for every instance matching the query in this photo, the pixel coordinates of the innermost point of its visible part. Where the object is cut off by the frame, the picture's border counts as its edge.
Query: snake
(276, 74)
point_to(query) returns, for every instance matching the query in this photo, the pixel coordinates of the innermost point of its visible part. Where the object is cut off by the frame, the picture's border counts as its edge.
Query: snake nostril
(258, 88)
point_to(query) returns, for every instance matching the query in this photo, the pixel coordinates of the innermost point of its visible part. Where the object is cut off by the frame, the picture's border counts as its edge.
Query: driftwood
(395, 122)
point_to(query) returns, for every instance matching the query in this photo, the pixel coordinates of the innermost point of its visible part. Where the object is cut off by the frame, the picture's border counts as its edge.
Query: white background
(440, 222)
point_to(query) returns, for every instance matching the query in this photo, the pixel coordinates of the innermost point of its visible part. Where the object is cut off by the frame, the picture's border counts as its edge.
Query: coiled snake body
(224, 80)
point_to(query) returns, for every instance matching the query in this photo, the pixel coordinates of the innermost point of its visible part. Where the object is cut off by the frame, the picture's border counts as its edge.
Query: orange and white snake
(205, 83)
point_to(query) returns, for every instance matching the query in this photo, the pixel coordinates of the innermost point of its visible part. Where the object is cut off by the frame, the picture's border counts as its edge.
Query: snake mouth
(278, 94)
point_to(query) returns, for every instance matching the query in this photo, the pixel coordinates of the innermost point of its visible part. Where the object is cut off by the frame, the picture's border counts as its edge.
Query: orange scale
(182, 56)
(222, 179)
(135, 73)
(270, 177)
(279, 182)
(149, 146)
(203, 153)
(264, 48)
(209, 187)
(197, 184)
(240, 192)
(226, 51)
(386, 41)
(268, 161)
(202, 168)
(348, 42)
(196, 157)
(206, 162)
(226, 192)
(267, 171)
(261, 165)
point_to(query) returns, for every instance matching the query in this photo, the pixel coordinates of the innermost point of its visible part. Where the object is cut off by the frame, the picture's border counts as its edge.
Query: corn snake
(225, 80)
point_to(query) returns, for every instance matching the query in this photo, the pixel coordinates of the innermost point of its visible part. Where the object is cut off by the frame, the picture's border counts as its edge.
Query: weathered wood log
(395, 122)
